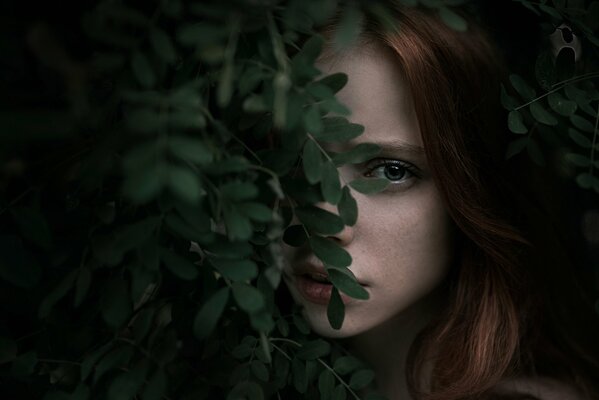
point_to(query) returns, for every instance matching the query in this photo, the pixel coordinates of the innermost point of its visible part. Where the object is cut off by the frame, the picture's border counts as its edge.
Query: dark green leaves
(312, 162)
(329, 252)
(330, 185)
(248, 297)
(314, 349)
(345, 281)
(515, 122)
(336, 310)
(207, 317)
(453, 20)
(369, 185)
(318, 220)
(348, 207)
(338, 129)
(522, 87)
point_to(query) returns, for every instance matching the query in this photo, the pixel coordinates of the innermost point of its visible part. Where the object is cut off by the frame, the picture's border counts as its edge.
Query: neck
(386, 347)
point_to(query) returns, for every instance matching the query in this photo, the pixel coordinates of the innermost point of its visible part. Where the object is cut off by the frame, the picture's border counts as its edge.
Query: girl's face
(401, 243)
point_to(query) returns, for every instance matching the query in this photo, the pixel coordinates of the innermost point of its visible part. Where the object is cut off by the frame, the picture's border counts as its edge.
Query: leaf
(238, 226)
(314, 349)
(453, 20)
(116, 357)
(326, 384)
(318, 220)
(507, 101)
(236, 191)
(515, 122)
(361, 379)
(33, 226)
(248, 297)
(551, 11)
(358, 154)
(334, 81)
(349, 27)
(579, 138)
(225, 84)
(578, 159)
(541, 114)
(236, 270)
(523, 89)
(90, 361)
(516, 147)
(185, 184)
(369, 185)
(17, 266)
(338, 129)
(586, 180)
(84, 279)
(340, 393)
(581, 123)
(336, 310)
(142, 70)
(312, 162)
(561, 105)
(207, 317)
(259, 370)
(330, 186)
(116, 304)
(155, 386)
(24, 364)
(246, 390)
(256, 211)
(348, 208)
(345, 365)
(190, 149)
(180, 266)
(57, 293)
(144, 185)
(162, 44)
(8, 349)
(345, 281)
(329, 252)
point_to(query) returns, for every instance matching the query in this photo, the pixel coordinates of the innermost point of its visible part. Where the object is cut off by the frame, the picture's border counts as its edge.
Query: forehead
(376, 93)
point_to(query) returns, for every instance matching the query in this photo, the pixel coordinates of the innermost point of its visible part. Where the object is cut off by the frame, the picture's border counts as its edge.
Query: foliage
(141, 257)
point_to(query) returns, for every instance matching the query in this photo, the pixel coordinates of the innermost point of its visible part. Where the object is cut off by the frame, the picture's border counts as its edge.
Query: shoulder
(539, 387)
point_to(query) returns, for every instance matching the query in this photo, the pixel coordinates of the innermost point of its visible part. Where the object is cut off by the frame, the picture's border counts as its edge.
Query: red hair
(487, 333)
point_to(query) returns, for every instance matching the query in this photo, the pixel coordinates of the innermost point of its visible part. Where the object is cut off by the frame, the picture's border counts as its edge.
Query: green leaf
(57, 293)
(33, 226)
(185, 184)
(336, 310)
(8, 349)
(329, 252)
(515, 122)
(338, 129)
(179, 265)
(142, 70)
(312, 162)
(314, 349)
(326, 384)
(586, 180)
(334, 81)
(453, 20)
(578, 159)
(312, 121)
(516, 147)
(156, 386)
(238, 226)
(225, 84)
(318, 220)
(361, 379)
(581, 123)
(254, 104)
(163, 46)
(561, 105)
(246, 390)
(579, 138)
(256, 211)
(248, 297)
(345, 281)
(349, 27)
(345, 365)
(84, 279)
(90, 361)
(17, 266)
(24, 364)
(236, 191)
(81, 392)
(190, 149)
(144, 185)
(369, 185)
(507, 101)
(541, 114)
(236, 270)
(300, 379)
(207, 317)
(259, 370)
(116, 304)
(340, 393)
(358, 154)
(523, 89)
(330, 186)
(551, 11)
(348, 208)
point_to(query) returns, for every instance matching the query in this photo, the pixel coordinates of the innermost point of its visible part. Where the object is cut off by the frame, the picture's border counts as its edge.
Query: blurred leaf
(515, 122)
(523, 89)
(84, 279)
(225, 84)
(346, 364)
(57, 293)
(587, 181)
(116, 304)
(541, 114)
(33, 226)
(142, 323)
(345, 281)
(516, 147)
(369, 185)
(256, 211)
(358, 154)
(338, 129)
(179, 265)
(349, 27)
(508, 102)
(329, 252)
(348, 207)
(295, 236)
(238, 226)
(453, 20)
(190, 149)
(361, 379)
(248, 297)
(581, 123)
(156, 386)
(579, 138)
(236, 270)
(238, 191)
(334, 81)
(17, 266)
(312, 162)
(340, 393)
(318, 220)
(561, 105)
(259, 370)
(162, 44)
(578, 159)
(314, 349)
(142, 70)
(330, 186)
(336, 310)
(24, 364)
(185, 184)
(207, 317)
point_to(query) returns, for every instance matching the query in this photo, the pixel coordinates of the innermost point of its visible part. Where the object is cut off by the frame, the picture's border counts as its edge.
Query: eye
(396, 171)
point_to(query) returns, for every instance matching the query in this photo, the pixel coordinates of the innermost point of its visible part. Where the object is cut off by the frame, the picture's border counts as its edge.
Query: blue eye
(393, 170)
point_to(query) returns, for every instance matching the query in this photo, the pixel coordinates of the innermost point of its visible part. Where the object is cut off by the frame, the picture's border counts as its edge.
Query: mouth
(314, 285)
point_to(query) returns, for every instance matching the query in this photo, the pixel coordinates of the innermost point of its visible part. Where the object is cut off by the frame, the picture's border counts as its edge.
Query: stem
(569, 82)
(327, 157)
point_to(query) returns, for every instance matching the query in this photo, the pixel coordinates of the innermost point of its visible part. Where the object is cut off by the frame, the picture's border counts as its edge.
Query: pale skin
(401, 245)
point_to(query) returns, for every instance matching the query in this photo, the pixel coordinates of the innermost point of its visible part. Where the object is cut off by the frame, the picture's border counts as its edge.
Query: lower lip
(317, 292)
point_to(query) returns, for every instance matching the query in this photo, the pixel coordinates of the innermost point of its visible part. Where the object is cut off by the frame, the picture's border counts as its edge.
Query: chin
(319, 323)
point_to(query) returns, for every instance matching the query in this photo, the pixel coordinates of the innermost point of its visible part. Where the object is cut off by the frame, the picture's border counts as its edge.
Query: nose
(343, 237)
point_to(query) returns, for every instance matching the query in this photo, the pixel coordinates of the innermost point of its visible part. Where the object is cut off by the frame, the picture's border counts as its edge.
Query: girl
(459, 267)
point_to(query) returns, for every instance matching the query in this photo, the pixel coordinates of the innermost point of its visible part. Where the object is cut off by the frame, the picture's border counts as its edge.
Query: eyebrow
(398, 147)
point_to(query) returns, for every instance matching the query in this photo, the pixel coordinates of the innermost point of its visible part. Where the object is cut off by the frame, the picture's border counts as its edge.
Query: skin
(401, 244)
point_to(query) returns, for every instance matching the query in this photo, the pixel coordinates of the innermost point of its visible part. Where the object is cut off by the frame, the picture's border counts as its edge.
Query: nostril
(567, 35)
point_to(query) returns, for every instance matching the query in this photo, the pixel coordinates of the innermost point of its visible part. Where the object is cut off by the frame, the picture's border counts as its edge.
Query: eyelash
(409, 169)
